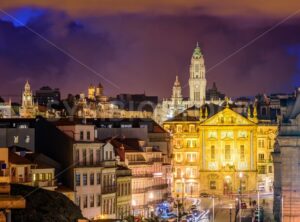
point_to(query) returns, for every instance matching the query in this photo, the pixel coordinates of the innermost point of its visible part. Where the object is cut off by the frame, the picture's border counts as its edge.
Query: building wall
(210, 155)
(123, 197)
(287, 176)
(149, 180)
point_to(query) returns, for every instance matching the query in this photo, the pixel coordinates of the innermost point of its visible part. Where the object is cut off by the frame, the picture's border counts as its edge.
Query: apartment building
(151, 177)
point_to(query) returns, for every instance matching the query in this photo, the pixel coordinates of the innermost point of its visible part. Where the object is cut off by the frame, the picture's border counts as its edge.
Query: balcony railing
(262, 161)
(156, 160)
(44, 183)
(140, 190)
(143, 175)
(158, 187)
(21, 179)
(109, 189)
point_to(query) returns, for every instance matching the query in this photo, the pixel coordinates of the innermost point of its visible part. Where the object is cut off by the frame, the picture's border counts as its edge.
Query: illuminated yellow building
(220, 152)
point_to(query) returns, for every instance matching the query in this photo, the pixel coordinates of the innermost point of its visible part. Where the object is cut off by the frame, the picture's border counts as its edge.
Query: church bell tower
(197, 81)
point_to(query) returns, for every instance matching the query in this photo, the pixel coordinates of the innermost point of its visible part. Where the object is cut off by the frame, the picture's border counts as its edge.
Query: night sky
(137, 46)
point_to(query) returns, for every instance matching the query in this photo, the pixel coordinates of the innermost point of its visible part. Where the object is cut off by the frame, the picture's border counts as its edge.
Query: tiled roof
(16, 159)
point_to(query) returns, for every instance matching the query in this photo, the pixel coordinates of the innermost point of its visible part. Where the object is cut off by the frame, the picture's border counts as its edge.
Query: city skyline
(131, 46)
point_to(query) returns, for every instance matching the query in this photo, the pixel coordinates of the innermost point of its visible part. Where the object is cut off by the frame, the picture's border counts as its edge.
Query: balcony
(44, 183)
(140, 190)
(109, 189)
(261, 161)
(142, 162)
(157, 160)
(142, 175)
(21, 179)
(108, 163)
(158, 187)
(104, 163)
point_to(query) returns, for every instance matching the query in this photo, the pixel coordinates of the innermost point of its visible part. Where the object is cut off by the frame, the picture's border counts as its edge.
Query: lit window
(178, 187)
(85, 200)
(227, 134)
(242, 152)
(178, 172)
(92, 179)
(179, 129)
(178, 157)
(92, 200)
(98, 178)
(261, 169)
(91, 156)
(191, 157)
(192, 128)
(77, 156)
(261, 157)
(191, 143)
(261, 143)
(227, 153)
(212, 185)
(212, 134)
(84, 156)
(77, 179)
(98, 200)
(242, 134)
(212, 152)
(270, 169)
(84, 179)
(98, 156)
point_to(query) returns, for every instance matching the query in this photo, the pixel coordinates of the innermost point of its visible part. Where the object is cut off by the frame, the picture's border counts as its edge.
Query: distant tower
(28, 108)
(27, 98)
(197, 81)
(99, 90)
(176, 95)
(91, 92)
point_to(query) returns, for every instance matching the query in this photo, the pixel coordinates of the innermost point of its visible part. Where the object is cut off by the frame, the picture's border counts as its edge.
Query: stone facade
(286, 162)
(211, 152)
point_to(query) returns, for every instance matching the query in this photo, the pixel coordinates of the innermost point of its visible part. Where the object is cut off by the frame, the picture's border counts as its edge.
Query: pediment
(227, 117)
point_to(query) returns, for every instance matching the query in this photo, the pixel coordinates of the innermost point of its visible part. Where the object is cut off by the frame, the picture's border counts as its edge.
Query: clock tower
(197, 81)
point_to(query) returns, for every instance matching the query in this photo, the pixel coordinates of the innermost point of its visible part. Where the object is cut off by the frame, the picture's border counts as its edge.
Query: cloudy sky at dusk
(131, 46)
